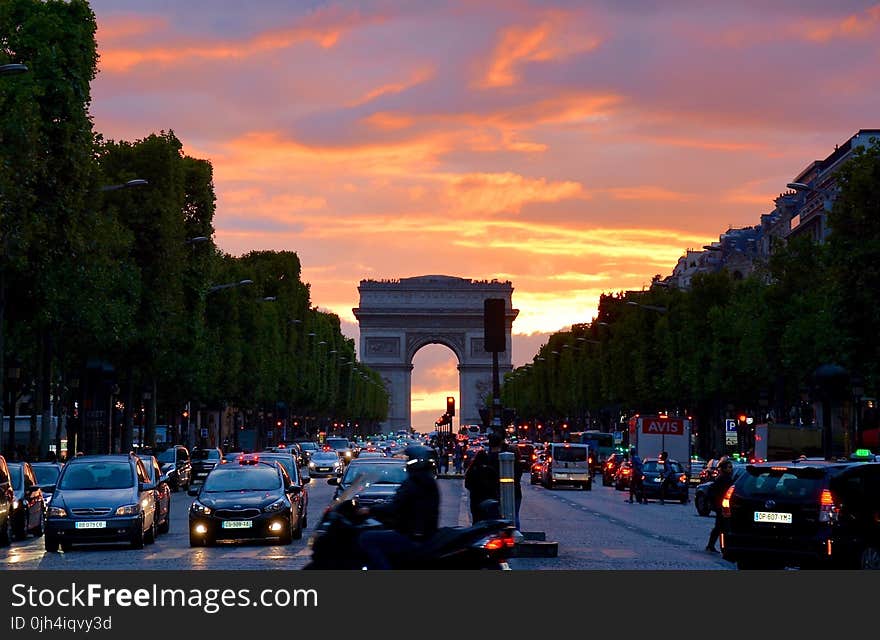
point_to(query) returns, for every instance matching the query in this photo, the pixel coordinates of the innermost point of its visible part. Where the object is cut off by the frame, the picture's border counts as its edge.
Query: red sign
(663, 426)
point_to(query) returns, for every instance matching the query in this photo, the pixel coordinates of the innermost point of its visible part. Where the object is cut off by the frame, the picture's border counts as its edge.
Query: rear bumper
(567, 477)
(784, 550)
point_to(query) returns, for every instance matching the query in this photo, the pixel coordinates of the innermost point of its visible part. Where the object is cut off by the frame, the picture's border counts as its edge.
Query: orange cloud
(549, 40)
(852, 26)
(496, 192)
(323, 28)
(420, 76)
(650, 193)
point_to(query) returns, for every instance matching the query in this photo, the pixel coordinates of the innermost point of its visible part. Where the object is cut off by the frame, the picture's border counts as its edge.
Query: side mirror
(332, 480)
(146, 486)
(294, 489)
(192, 491)
(48, 488)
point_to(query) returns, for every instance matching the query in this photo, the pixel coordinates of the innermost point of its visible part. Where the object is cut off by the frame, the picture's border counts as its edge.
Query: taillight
(495, 543)
(827, 509)
(682, 478)
(725, 502)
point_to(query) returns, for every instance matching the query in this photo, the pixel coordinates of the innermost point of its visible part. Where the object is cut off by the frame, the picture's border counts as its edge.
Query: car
(697, 466)
(102, 498)
(6, 499)
(652, 481)
(609, 468)
(623, 476)
(28, 505)
(342, 446)
(163, 492)
(245, 500)
(709, 471)
(524, 451)
(805, 514)
(47, 476)
(301, 498)
(567, 463)
(702, 501)
(203, 461)
(371, 453)
(536, 469)
(175, 463)
(325, 463)
(385, 476)
(308, 448)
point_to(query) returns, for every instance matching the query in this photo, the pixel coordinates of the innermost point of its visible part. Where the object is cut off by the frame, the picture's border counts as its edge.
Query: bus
(601, 443)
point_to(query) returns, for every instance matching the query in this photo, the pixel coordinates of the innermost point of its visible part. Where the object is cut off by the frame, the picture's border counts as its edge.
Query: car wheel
(41, 528)
(20, 526)
(298, 532)
(137, 538)
(166, 525)
(870, 558)
(702, 505)
(51, 544)
(6, 532)
(150, 534)
(305, 520)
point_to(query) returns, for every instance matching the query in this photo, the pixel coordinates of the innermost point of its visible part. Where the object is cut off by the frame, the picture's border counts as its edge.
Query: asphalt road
(594, 529)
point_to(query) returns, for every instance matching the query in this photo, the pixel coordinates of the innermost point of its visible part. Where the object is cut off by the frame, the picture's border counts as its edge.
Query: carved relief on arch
(455, 341)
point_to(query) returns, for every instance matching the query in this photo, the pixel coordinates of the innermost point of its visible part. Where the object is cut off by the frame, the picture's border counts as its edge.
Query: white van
(567, 463)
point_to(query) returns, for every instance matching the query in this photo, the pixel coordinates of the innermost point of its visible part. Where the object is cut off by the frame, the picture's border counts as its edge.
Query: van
(567, 463)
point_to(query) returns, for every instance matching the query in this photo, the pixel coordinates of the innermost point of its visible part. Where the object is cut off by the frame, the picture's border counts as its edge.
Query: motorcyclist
(412, 515)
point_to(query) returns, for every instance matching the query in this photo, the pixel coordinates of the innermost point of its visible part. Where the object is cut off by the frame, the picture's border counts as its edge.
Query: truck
(780, 441)
(651, 434)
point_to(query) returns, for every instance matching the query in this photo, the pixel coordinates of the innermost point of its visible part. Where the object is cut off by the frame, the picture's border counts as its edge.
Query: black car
(806, 514)
(28, 505)
(175, 463)
(623, 476)
(102, 498)
(384, 475)
(47, 477)
(163, 492)
(203, 461)
(6, 499)
(610, 467)
(702, 501)
(308, 448)
(300, 500)
(652, 480)
(245, 500)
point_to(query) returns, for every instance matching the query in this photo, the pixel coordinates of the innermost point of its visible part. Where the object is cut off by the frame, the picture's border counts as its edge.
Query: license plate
(237, 524)
(92, 524)
(772, 516)
(323, 468)
(658, 479)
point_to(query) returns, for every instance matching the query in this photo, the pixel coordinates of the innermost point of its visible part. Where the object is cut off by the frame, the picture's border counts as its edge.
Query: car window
(287, 463)
(206, 454)
(570, 454)
(142, 472)
(378, 473)
(792, 484)
(166, 456)
(243, 478)
(182, 455)
(45, 474)
(15, 475)
(29, 479)
(97, 475)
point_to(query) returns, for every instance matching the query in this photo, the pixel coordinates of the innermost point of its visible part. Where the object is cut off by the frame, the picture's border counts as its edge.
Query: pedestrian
(443, 458)
(481, 481)
(667, 474)
(635, 478)
(458, 458)
(716, 494)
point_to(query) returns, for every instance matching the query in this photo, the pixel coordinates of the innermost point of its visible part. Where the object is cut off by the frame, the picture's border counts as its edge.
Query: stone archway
(399, 317)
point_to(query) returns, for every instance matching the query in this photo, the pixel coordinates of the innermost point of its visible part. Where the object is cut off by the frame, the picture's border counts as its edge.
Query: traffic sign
(730, 425)
(731, 439)
(204, 432)
(617, 437)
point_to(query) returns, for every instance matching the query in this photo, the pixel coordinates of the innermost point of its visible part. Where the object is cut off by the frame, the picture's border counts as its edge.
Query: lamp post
(137, 182)
(229, 285)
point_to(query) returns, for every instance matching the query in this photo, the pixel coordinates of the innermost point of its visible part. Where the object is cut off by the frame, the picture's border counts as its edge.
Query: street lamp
(197, 240)
(137, 182)
(229, 285)
(12, 69)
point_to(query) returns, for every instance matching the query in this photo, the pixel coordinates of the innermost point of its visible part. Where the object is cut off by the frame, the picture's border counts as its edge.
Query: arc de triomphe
(399, 317)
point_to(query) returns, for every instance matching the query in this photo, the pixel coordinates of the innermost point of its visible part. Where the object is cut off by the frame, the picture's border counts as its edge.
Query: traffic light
(450, 406)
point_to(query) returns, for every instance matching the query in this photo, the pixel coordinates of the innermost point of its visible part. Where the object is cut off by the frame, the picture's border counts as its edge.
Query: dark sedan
(300, 499)
(163, 492)
(47, 477)
(702, 501)
(623, 476)
(203, 461)
(247, 500)
(384, 476)
(610, 467)
(675, 487)
(28, 505)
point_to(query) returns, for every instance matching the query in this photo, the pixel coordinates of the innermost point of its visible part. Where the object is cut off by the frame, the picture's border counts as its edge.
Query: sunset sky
(573, 148)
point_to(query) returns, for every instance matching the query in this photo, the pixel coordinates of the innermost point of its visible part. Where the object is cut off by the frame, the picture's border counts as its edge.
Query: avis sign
(663, 426)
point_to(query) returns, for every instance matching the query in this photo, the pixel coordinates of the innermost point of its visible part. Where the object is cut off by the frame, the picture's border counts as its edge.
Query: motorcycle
(485, 545)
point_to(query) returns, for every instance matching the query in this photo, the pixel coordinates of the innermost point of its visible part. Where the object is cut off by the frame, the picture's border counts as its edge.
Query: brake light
(827, 509)
(248, 459)
(626, 472)
(725, 502)
(682, 478)
(494, 543)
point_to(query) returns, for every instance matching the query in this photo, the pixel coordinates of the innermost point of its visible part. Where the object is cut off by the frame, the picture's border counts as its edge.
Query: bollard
(508, 497)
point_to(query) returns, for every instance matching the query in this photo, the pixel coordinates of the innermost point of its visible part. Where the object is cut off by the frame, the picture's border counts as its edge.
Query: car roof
(103, 457)
(377, 461)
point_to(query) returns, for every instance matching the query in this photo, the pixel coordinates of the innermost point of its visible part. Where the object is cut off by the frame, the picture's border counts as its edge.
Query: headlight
(311, 465)
(128, 510)
(278, 505)
(15, 504)
(57, 512)
(199, 508)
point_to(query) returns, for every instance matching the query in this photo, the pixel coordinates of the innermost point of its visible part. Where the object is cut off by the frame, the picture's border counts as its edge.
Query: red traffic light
(450, 406)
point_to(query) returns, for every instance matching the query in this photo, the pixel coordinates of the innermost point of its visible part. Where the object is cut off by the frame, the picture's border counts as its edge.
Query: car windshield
(570, 454)
(308, 446)
(206, 454)
(243, 478)
(97, 475)
(325, 456)
(338, 443)
(781, 483)
(166, 456)
(377, 473)
(653, 466)
(285, 461)
(46, 475)
(15, 473)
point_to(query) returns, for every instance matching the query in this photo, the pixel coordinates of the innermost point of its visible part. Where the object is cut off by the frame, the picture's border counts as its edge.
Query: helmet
(419, 458)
